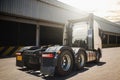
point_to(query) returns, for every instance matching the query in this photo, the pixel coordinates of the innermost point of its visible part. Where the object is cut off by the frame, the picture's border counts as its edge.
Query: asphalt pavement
(107, 69)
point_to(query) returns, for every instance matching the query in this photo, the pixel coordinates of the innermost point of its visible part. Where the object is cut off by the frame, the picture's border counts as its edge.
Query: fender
(49, 67)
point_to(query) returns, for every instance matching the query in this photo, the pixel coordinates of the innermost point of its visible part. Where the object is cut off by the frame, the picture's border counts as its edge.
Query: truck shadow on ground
(56, 77)
(75, 72)
(32, 72)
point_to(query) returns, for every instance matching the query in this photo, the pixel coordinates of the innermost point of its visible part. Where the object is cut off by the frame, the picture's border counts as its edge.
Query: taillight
(18, 54)
(50, 55)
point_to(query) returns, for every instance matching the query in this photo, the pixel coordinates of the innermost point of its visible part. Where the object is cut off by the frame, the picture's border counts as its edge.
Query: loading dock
(23, 34)
(18, 32)
(50, 35)
(38, 15)
(28, 23)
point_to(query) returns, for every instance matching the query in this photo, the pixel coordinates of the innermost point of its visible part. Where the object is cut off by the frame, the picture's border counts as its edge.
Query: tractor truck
(82, 43)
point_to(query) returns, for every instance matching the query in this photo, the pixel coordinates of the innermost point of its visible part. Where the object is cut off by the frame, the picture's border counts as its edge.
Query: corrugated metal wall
(38, 10)
(107, 25)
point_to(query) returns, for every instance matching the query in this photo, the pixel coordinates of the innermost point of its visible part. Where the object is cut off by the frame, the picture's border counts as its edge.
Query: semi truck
(82, 43)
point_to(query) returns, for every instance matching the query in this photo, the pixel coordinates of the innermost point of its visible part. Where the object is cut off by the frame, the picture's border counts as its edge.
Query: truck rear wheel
(65, 63)
(81, 60)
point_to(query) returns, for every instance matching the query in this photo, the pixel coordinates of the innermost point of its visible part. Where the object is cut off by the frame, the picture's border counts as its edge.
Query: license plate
(19, 58)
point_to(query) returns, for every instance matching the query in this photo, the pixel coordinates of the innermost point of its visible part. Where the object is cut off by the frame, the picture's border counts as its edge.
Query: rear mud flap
(48, 66)
(48, 70)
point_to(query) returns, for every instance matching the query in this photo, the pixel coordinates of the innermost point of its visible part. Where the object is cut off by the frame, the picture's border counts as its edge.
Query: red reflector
(18, 54)
(47, 55)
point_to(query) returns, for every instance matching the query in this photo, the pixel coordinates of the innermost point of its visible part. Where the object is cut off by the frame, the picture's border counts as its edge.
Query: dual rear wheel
(81, 60)
(66, 61)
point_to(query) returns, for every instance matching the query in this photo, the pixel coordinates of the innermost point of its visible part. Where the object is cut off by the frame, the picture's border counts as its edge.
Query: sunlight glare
(99, 7)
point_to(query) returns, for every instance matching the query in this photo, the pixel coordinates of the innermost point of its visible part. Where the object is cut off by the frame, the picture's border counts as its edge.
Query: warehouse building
(41, 22)
(33, 22)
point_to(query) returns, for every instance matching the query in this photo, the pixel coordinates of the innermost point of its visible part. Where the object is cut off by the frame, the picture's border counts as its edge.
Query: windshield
(79, 34)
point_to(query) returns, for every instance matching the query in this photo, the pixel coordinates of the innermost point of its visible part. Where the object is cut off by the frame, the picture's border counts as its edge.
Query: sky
(108, 9)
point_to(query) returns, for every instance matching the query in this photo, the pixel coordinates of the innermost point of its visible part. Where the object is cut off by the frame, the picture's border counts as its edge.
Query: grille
(31, 57)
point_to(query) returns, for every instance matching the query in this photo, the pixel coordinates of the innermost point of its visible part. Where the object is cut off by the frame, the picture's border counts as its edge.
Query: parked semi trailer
(82, 43)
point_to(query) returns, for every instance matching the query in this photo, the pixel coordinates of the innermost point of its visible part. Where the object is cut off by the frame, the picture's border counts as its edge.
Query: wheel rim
(66, 62)
(81, 60)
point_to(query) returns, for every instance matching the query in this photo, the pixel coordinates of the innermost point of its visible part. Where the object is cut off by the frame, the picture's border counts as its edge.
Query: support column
(37, 35)
(116, 40)
(108, 40)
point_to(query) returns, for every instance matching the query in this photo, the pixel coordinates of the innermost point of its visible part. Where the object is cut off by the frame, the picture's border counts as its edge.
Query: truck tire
(81, 60)
(65, 63)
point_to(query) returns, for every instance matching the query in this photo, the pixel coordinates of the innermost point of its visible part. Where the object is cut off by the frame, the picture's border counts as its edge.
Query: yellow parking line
(17, 50)
(8, 50)
(1, 48)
